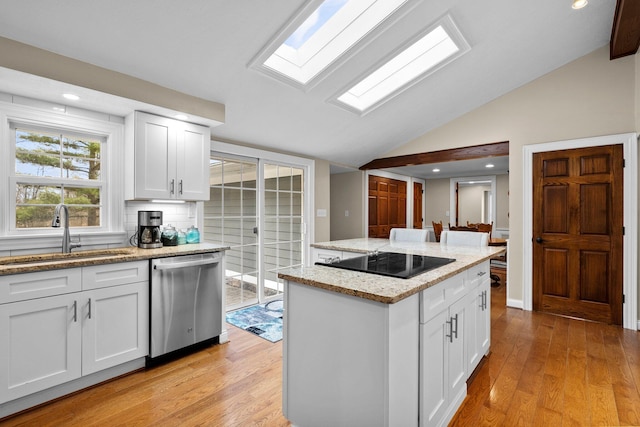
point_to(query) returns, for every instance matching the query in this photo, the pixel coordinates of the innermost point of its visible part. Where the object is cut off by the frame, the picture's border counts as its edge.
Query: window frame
(108, 128)
(15, 179)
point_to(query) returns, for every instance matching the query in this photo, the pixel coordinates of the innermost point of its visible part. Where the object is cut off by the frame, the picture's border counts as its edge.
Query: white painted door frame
(630, 221)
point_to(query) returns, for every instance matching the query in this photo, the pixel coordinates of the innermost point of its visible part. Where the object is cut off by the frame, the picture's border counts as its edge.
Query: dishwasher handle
(177, 265)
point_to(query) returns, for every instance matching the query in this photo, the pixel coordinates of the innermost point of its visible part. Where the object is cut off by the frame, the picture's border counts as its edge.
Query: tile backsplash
(179, 215)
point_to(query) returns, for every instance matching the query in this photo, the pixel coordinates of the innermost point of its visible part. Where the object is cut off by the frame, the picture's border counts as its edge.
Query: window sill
(29, 244)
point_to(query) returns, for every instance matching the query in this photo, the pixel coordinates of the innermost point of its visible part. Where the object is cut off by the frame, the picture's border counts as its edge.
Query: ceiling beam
(625, 33)
(495, 149)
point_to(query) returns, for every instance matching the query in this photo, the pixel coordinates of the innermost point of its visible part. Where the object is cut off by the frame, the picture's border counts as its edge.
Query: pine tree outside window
(55, 166)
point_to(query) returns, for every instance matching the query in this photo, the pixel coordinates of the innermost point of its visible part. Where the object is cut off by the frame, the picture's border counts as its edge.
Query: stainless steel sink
(58, 256)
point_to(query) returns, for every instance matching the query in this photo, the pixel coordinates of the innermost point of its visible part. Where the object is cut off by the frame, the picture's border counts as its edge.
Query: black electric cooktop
(391, 264)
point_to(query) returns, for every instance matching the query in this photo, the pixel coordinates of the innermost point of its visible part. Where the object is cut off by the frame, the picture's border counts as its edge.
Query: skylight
(330, 31)
(439, 46)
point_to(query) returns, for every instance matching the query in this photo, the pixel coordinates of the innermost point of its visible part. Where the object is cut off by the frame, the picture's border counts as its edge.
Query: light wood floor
(542, 370)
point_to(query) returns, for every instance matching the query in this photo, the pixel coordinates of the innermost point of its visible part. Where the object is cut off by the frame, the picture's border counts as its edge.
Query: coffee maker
(149, 234)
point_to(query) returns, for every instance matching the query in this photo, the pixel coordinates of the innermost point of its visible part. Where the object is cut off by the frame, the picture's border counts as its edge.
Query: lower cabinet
(478, 320)
(455, 333)
(114, 326)
(443, 372)
(45, 342)
(41, 345)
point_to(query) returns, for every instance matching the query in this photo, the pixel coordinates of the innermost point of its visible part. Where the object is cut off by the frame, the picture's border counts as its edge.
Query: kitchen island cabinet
(367, 350)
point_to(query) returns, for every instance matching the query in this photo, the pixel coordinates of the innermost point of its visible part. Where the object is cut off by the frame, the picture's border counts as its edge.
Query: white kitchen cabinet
(41, 345)
(443, 373)
(166, 159)
(115, 326)
(53, 340)
(478, 321)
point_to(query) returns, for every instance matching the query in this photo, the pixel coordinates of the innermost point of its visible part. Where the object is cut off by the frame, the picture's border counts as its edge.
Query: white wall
(347, 210)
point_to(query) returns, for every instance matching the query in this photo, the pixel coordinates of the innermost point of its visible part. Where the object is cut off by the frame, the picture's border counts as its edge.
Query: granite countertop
(58, 260)
(387, 290)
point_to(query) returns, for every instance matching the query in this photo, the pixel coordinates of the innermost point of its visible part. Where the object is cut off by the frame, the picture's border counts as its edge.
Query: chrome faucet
(66, 237)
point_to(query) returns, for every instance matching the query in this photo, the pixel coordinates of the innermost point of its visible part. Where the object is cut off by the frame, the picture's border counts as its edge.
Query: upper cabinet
(166, 159)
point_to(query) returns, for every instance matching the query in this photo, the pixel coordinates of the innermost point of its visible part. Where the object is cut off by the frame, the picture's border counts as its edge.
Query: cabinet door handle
(450, 335)
(89, 308)
(180, 186)
(481, 300)
(75, 311)
(485, 300)
(172, 186)
(455, 331)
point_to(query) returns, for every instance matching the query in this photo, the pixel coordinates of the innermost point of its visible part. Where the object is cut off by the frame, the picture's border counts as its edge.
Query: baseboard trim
(515, 303)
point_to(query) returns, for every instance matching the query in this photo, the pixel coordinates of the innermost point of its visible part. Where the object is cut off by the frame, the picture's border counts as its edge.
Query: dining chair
(464, 238)
(409, 234)
(485, 228)
(437, 229)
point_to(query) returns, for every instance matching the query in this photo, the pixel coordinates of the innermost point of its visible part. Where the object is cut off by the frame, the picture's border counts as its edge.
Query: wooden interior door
(387, 205)
(417, 205)
(578, 233)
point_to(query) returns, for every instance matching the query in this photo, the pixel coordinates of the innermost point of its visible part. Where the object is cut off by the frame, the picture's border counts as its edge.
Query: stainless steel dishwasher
(186, 301)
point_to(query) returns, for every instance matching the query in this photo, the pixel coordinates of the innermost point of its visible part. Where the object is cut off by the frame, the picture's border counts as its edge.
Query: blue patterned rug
(264, 322)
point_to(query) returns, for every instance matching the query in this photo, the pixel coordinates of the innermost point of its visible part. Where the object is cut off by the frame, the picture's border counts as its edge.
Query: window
(325, 34)
(436, 48)
(55, 166)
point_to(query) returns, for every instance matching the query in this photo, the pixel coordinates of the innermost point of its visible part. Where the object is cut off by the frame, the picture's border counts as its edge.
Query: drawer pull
(75, 311)
(481, 273)
(89, 308)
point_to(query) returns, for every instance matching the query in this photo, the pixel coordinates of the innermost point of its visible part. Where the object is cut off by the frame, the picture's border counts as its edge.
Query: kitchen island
(367, 350)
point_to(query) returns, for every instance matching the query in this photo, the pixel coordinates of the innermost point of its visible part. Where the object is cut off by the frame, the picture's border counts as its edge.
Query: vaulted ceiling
(204, 47)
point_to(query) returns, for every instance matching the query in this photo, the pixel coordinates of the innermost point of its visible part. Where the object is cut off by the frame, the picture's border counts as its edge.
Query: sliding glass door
(282, 240)
(231, 218)
(257, 209)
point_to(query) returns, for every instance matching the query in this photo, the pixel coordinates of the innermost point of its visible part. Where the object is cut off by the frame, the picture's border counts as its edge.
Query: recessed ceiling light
(71, 96)
(579, 4)
(436, 170)
(181, 117)
(489, 165)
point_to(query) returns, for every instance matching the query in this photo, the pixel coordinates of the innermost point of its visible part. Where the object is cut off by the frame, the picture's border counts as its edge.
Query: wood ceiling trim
(451, 155)
(625, 33)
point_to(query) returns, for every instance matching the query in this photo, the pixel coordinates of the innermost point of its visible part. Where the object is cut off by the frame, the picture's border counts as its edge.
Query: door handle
(75, 311)
(450, 335)
(89, 308)
(539, 239)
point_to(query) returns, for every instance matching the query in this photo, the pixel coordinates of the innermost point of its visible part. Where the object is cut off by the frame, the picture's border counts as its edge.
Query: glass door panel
(283, 234)
(231, 218)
